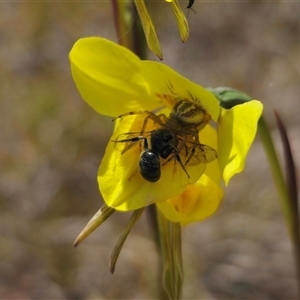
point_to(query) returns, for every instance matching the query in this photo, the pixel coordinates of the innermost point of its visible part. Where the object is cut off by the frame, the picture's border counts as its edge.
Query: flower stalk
(128, 27)
(170, 242)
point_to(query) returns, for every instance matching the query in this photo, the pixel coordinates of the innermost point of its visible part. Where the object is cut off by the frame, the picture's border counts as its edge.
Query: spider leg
(132, 113)
(195, 143)
(176, 155)
(181, 164)
(192, 131)
(153, 117)
(170, 158)
(144, 124)
(164, 117)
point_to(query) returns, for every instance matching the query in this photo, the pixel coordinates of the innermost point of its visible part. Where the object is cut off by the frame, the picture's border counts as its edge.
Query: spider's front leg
(131, 113)
(150, 115)
(155, 118)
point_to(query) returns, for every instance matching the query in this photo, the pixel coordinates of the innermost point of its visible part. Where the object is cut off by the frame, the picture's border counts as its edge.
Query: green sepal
(229, 97)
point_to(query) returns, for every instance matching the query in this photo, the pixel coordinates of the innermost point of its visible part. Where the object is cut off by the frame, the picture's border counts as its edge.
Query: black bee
(174, 140)
(191, 2)
(165, 144)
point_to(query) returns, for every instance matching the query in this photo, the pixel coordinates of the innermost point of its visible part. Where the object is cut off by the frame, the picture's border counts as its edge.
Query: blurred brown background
(52, 144)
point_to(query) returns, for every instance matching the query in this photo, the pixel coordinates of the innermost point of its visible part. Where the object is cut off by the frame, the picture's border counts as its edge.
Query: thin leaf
(149, 30)
(182, 23)
(290, 165)
(100, 216)
(291, 180)
(116, 252)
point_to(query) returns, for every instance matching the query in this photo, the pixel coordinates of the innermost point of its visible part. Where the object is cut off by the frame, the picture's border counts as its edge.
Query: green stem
(128, 27)
(170, 241)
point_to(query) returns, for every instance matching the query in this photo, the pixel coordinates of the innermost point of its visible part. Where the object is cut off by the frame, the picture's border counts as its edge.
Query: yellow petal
(236, 132)
(109, 77)
(208, 136)
(182, 23)
(171, 87)
(197, 202)
(119, 178)
(149, 29)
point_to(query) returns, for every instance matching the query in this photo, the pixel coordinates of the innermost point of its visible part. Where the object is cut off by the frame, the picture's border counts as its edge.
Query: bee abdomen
(150, 166)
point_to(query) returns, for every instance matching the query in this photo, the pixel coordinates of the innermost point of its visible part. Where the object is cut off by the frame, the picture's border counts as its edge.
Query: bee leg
(145, 144)
(189, 8)
(187, 15)
(132, 140)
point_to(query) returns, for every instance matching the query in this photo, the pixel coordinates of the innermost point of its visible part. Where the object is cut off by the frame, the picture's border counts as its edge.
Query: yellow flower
(114, 81)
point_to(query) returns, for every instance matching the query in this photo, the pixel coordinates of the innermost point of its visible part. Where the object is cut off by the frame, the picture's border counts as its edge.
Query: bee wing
(210, 153)
(202, 154)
